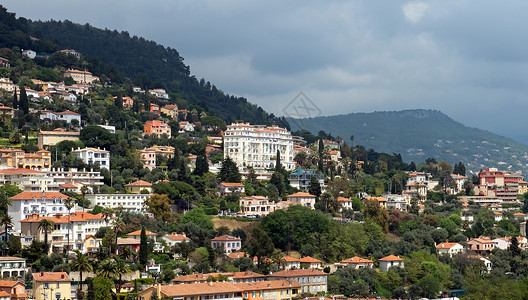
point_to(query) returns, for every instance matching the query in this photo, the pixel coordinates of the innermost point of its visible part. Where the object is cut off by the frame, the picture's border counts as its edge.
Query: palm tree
(7, 221)
(107, 268)
(119, 228)
(46, 226)
(121, 268)
(84, 191)
(81, 263)
(5, 201)
(69, 205)
(107, 214)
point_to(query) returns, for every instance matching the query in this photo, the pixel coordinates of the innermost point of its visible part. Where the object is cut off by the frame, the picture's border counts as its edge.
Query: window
(46, 286)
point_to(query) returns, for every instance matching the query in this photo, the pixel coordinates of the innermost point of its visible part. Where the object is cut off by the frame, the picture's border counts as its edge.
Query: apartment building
(16, 158)
(80, 178)
(80, 76)
(51, 138)
(94, 156)
(503, 185)
(129, 202)
(28, 180)
(12, 266)
(51, 285)
(257, 145)
(43, 204)
(312, 281)
(157, 128)
(77, 225)
(256, 205)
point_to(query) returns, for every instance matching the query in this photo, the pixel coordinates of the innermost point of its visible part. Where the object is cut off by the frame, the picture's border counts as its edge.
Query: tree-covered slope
(150, 65)
(419, 134)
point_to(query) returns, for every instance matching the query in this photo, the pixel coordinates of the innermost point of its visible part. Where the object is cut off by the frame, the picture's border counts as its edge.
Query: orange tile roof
(268, 285)
(308, 260)
(8, 283)
(198, 277)
(4, 294)
(301, 194)
(234, 255)
(128, 241)
(298, 273)
(379, 199)
(139, 183)
(11, 258)
(290, 259)
(226, 237)
(247, 274)
(445, 245)
(177, 237)
(51, 276)
(390, 258)
(343, 199)
(68, 112)
(199, 289)
(232, 184)
(67, 185)
(60, 218)
(20, 170)
(38, 195)
(356, 260)
(138, 232)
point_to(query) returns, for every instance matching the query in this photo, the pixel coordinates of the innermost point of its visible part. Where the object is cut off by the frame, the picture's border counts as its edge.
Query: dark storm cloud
(465, 58)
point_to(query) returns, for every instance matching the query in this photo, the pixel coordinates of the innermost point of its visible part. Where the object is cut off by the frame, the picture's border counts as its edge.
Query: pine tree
(143, 247)
(24, 102)
(119, 102)
(314, 188)
(202, 166)
(229, 171)
(15, 100)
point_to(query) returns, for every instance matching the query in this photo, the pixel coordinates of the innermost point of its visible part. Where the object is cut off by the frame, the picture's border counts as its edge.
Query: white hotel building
(129, 202)
(256, 146)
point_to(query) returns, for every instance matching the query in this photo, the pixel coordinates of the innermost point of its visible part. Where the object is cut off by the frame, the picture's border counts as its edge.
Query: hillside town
(131, 192)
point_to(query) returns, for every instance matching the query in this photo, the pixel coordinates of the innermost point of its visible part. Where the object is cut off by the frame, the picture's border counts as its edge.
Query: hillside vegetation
(419, 134)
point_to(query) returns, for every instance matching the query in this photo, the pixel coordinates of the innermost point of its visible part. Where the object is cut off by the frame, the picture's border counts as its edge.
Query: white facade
(41, 203)
(256, 146)
(79, 178)
(94, 156)
(29, 53)
(160, 93)
(129, 202)
(28, 180)
(69, 116)
(12, 266)
(449, 248)
(256, 205)
(110, 129)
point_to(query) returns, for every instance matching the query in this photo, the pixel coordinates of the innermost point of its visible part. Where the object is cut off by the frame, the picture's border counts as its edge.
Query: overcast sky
(465, 58)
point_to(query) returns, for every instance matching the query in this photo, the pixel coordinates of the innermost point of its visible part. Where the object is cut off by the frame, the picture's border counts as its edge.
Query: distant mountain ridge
(418, 134)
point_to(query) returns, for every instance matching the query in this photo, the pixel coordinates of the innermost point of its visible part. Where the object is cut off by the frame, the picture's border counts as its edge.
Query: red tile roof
(390, 258)
(234, 255)
(139, 183)
(301, 194)
(268, 285)
(356, 260)
(290, 259)
(177, 237)
(138, 232)
(51, 276)
(38, 195)
(20, 170)
(297, 273)
(226, 237)
(199, 289)
(309, 260)
(445, 245)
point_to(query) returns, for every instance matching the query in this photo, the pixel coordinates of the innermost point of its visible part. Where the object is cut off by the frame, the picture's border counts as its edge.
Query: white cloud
(414, 11)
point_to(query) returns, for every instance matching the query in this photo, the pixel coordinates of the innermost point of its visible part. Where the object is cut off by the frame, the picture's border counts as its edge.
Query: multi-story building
(195, 291)
(272, 290)
(227, 243)
(7, 111)
(148, 157)
(500, 184)
(256, 205)
(345, 203)
(28, 180)
(160, 94)
(51, 138)
(94, 156)
(480, 246)
(170, 110)
(7, 85)
(256, 146)
(228, 188)
(174, 238)
(301, 178)
(51, 285)
(157, 128)
(312, 281)
(390, 261)
(449, 248)
(16, 158)
(12, 266)
(89, 178)
(16, 290)
(80, 76)
(129, 202)
(43, 204)
(77, 225)
(303, 199)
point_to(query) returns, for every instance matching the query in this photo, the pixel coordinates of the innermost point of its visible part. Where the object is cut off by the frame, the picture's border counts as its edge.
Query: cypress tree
(143, 247)
(15, 100)
(119, 102)
(278, 165)
(24, 103)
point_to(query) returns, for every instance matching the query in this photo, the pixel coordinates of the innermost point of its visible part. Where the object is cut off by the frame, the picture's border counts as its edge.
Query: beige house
(227, 243)
(357, 262)
(51, 285)
(51, 138)
(170, 110)
(303, 199)
(16, 158)
(312, 281)
(256, 205)
(80, 76)
(138, 186)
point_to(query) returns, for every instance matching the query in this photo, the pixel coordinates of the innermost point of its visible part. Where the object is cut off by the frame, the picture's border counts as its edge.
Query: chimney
(41, 274)
(62, 276)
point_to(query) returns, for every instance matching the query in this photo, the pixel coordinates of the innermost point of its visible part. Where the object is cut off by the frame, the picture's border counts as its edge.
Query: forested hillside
(146, 63)
(419, 134)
